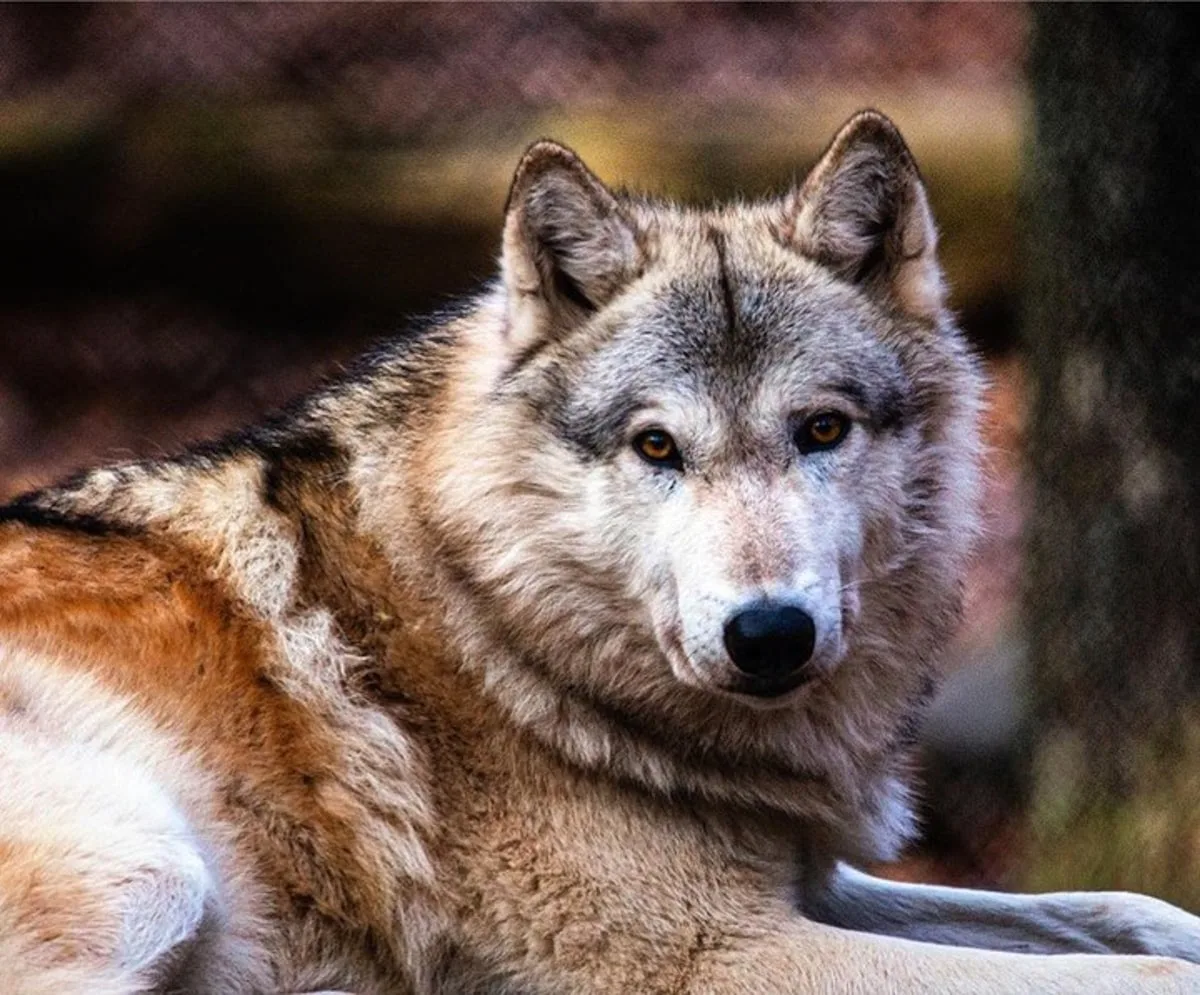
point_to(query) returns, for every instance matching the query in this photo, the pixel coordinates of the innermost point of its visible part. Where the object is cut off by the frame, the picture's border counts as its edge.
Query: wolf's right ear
(568, 243)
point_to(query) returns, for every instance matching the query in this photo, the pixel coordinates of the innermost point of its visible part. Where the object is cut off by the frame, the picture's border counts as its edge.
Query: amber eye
(822, 431)
(657, 447)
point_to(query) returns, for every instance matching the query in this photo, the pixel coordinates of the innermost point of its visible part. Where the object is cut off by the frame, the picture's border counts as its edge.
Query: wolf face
(730, 429)
(706, 445)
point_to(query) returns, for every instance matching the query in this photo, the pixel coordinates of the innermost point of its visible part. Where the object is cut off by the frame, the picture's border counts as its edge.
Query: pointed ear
(569, 246)
(863, 213)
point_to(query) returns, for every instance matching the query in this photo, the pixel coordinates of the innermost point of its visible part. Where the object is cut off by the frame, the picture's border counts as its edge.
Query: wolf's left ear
(863, 213)
(568, 243)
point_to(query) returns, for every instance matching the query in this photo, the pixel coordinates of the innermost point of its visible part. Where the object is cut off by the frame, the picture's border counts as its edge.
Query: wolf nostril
(770, 640)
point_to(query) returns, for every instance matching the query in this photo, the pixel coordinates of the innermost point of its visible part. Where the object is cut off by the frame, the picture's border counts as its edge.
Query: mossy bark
(1113, 333)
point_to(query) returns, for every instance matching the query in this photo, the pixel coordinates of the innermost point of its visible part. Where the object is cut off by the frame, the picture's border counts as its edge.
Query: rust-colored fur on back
(430, 686)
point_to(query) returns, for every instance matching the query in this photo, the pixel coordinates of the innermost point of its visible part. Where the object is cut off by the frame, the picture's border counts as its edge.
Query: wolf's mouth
(771, 687)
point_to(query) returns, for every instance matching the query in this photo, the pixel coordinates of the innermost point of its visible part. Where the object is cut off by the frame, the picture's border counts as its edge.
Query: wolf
(571, 643)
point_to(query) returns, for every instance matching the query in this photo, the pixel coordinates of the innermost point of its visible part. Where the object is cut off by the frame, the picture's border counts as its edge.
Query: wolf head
(722, 456)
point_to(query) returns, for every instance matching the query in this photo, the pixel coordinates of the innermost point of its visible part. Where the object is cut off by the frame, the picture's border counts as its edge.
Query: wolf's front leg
(813, 959)
(754, 953)
(1067, 922)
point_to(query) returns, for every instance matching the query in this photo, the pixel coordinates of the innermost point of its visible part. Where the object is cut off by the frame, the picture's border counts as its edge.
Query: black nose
(770, 641)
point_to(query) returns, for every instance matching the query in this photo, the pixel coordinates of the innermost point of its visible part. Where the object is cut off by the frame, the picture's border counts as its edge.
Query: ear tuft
(863, 213)
(567, 239)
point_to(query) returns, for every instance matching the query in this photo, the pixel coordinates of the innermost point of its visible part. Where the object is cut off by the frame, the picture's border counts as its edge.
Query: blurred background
(209, 206)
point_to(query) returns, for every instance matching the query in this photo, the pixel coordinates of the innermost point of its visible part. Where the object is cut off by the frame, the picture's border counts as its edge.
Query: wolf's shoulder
(54, 543)
(125, 552)
(105, 595)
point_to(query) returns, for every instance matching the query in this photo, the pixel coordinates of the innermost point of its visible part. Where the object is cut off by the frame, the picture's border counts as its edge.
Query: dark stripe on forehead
(717, 238)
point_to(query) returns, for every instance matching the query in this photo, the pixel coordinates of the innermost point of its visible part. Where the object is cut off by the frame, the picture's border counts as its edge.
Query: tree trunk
(1113, 331)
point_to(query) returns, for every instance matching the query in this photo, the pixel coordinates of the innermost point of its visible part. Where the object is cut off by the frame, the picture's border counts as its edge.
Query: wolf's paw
(1126, 923)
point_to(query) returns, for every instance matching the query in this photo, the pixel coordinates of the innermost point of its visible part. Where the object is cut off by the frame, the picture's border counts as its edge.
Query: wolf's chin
(765, 699)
